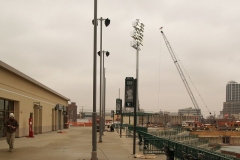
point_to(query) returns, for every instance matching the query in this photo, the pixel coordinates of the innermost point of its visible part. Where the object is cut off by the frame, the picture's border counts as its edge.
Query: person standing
(11, 125)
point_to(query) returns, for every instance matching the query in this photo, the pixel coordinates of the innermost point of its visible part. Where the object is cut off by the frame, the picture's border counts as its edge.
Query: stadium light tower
(137, 36)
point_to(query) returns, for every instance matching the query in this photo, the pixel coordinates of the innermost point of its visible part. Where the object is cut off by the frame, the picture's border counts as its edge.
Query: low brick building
(72, 112)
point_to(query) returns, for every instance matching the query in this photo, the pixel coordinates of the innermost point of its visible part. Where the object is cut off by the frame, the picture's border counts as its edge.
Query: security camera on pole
(137, 36)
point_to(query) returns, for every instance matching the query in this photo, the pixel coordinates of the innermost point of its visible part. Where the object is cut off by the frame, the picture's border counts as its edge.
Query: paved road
(74, 143)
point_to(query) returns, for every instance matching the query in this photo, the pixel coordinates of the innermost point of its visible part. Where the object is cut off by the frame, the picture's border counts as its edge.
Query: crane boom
(182, 75)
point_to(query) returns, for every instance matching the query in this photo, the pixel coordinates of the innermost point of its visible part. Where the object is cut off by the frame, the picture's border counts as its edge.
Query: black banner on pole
(129, 92)
(118, 106)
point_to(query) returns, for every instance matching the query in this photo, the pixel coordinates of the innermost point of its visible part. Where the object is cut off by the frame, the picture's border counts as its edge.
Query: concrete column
(60, 119)
(56, 120)
(36, 119)
(17, 116)
(53, 120)
(40, 121)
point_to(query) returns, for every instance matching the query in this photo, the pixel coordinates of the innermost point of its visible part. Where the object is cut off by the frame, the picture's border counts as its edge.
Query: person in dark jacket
(112, 128)
(11, 125)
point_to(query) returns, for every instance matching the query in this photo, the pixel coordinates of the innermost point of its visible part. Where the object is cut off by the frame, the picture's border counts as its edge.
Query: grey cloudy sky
(52, 42)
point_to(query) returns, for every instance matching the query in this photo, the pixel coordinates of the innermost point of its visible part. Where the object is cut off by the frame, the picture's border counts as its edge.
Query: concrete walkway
(74, 143)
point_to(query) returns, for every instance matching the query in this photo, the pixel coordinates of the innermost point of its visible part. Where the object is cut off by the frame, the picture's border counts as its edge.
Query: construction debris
(61, 132)
(152, 156)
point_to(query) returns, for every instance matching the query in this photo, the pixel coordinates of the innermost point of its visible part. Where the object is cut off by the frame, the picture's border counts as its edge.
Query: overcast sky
(52, 42)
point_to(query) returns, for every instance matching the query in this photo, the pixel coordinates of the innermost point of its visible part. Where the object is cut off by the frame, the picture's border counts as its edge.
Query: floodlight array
(137, 34)
(134, 45)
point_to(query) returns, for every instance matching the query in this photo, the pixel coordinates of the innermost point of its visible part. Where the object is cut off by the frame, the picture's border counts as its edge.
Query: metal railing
(138, 128)
(181, 145)
(157, 145)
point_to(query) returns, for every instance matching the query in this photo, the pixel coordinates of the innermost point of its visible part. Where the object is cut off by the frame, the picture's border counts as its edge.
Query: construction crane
(183, 77)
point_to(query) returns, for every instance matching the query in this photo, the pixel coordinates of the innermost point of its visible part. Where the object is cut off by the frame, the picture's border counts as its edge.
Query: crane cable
(194, 85)
(189, 78)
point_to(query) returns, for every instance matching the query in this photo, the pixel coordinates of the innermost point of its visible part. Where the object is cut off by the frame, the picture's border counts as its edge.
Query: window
(1, 104)
(10, 106)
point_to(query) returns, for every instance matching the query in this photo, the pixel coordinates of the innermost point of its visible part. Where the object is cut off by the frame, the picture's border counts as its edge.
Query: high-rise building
(232, 104)
(230, 108)
(233, 92)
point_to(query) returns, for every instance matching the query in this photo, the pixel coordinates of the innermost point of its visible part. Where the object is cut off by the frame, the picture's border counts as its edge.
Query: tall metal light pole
(137, 36)
(104, 85)
(104, 97)
(107, 22)
(94, 113)
(102, 93)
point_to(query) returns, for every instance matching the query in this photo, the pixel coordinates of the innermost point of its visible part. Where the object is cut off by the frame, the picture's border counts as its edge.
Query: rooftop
(15, 71)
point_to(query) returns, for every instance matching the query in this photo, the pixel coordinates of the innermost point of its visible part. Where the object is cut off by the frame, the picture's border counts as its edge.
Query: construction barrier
(80, 124)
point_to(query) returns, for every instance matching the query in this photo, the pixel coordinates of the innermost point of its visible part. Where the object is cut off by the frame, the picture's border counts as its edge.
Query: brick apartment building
(72, 112)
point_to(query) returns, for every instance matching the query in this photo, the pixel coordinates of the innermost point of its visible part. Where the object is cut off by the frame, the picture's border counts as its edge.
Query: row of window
(233, 93)
(6, 105)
